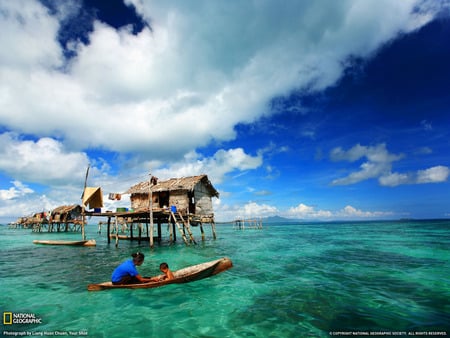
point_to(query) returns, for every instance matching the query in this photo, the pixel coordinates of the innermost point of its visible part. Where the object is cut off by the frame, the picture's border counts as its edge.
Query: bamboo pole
(83, 216)
(150, 235)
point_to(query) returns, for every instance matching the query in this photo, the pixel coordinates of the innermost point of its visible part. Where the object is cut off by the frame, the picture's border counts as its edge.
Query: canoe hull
(90, 242)
(185, 275)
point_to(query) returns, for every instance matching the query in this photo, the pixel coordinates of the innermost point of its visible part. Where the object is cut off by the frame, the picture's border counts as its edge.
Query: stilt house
(189, 195)
(66, 214)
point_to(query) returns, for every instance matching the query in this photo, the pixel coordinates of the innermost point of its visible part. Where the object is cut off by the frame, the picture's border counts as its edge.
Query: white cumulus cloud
(433, 175)
(379, 163)
(352, 212)
(17, 190)
(216, 166)
(198, 71)
(43, 161)
(308, 212)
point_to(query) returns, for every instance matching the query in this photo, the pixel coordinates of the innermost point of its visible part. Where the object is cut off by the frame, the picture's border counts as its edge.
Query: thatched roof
(174, 184)
(64, 209)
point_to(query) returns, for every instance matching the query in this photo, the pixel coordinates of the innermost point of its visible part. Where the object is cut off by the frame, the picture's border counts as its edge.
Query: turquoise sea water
(288, 280)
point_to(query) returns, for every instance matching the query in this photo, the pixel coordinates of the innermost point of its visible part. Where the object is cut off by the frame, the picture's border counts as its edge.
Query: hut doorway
(164, 199)
(191, 202)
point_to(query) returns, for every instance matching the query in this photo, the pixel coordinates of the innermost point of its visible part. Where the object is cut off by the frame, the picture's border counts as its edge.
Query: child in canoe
(166, 271)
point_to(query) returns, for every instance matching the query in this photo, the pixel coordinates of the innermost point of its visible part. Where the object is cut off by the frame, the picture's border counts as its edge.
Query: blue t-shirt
(127, 268)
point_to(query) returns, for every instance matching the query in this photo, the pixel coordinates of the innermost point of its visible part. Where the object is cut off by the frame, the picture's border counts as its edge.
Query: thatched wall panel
(180, 200)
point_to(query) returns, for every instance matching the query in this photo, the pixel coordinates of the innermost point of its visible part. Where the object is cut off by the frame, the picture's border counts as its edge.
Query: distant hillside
(265, 220)
(279, 219)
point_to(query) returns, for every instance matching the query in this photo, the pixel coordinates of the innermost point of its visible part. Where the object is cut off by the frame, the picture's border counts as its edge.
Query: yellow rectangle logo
(7, 318)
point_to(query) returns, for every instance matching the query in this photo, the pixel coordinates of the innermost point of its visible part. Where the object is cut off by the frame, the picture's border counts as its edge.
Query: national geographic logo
(10, 318)
(7, 318)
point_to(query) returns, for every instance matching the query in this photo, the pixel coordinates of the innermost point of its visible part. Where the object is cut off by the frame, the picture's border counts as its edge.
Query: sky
(312, 110)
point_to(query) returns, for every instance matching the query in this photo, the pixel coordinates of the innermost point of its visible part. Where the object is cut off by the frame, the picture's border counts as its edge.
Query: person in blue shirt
(126, 273)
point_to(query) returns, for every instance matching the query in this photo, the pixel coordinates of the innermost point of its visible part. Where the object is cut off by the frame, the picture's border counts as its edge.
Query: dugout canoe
(185, 275)
(90, 242)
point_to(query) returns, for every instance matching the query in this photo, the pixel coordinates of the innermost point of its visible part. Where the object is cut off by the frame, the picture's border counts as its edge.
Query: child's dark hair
(138, 257)
(163, 266)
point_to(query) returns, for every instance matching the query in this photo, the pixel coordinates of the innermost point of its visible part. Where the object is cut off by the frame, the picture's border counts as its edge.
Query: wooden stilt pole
(159, 230)
(174, 232)
(170, 228)
(140, 232)
(117, 232)
(202, 231)
(108, 233)
(213, 226)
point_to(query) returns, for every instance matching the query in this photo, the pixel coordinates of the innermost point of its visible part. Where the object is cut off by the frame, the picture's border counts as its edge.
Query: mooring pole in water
(117, 231)
(108, 233)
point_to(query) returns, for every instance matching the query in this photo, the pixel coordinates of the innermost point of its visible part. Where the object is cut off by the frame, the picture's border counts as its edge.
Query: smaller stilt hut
(65, 218)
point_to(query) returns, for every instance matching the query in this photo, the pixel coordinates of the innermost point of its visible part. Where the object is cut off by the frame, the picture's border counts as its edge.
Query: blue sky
(313, 110)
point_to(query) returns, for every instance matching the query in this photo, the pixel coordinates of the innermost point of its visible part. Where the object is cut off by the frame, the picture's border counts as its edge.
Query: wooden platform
(137, 225)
